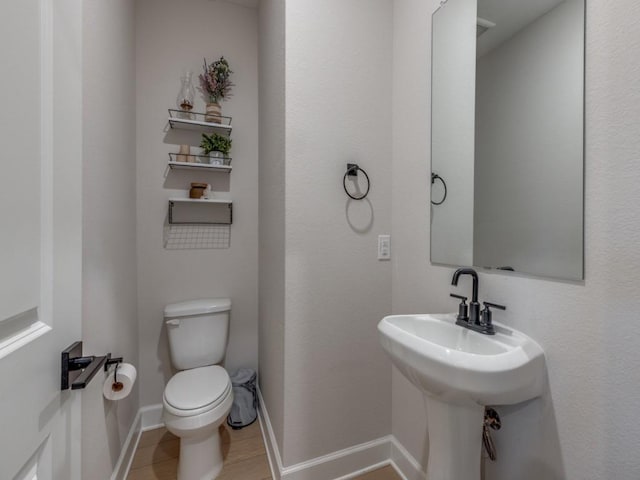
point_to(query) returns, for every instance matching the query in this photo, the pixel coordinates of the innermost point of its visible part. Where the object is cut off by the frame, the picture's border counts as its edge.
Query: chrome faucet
(479, 321)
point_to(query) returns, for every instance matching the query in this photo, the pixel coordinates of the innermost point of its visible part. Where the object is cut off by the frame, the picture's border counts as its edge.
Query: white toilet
(198, 398)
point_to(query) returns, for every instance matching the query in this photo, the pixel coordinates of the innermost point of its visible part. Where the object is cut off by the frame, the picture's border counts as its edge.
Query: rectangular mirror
(507, 157)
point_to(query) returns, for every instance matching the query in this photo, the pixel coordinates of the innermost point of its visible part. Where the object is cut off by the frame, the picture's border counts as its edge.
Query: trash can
(244, 410)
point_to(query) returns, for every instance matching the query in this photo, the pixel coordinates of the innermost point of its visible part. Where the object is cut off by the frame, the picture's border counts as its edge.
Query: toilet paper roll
(121, 386)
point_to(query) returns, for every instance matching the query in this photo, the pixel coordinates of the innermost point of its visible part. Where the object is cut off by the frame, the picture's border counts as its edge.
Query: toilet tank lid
(197, 307)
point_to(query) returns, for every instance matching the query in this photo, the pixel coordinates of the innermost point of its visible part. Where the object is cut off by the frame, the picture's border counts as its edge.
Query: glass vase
(186, 95)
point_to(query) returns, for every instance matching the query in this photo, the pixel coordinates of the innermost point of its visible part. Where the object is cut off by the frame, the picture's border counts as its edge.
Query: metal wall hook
(352, 171)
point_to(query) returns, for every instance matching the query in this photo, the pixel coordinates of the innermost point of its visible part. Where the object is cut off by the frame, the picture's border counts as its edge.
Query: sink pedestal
(455, 440)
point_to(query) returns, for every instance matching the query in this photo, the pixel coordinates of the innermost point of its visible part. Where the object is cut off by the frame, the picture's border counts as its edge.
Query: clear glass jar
(187, 93)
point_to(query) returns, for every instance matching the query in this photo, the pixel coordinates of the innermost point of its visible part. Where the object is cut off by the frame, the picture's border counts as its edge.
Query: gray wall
(272, 210)
(171, 37)
(529, 148)
(109, 319)
(585, 427)
(337, 111)
(321, 362)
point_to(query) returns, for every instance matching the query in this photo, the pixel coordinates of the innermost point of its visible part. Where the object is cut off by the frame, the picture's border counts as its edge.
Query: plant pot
(214, 113)
(197, 190)
(216, 158)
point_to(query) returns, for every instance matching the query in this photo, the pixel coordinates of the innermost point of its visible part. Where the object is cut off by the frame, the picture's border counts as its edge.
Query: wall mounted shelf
(197, 122)
(192, 211)
(201, 200)
(201, 163)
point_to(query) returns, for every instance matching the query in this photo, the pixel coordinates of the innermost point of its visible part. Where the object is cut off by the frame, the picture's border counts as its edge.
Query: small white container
(216, 158)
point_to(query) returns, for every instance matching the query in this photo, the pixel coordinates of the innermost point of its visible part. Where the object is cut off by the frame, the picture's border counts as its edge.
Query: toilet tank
(197, 331)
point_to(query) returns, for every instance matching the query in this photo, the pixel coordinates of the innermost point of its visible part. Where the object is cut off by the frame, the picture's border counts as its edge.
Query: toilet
(198, 398)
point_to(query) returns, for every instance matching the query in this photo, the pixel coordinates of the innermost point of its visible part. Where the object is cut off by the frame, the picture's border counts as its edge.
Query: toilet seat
(196, 391)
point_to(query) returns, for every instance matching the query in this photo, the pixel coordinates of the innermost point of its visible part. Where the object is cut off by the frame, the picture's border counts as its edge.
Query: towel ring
(434, 177)
(352, 171)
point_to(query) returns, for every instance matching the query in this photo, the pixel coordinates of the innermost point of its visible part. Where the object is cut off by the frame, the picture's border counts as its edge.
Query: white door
(40, 235)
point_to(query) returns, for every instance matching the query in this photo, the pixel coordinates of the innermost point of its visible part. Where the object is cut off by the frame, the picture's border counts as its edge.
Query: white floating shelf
(200, 200)
(197, 122)
(200, 126)
(199, 166)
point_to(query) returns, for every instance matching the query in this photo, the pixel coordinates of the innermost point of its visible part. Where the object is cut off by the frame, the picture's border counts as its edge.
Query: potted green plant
(216, 146)
(215, 85)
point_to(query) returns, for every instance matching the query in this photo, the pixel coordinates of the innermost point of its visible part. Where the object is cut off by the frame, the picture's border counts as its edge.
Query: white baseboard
(404, 463)
(271, 446)
(147, 418)
(343, 464)
(151, 417)
(123, 465)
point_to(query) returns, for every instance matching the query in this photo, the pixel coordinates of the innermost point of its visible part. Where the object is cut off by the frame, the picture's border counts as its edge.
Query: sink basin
(460, 371)
(459, 365)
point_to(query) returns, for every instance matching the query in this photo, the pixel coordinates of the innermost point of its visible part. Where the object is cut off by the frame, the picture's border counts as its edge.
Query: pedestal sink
(460, 372)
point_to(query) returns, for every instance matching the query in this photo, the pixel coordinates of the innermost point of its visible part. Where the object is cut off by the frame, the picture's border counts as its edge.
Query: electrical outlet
(384, 247)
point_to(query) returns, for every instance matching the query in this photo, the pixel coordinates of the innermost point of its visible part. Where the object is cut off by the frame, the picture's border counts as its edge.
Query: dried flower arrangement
(215, 82)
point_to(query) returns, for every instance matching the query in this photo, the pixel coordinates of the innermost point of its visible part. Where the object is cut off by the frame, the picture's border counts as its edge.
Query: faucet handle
(494, 305)
(463, 308)
(486, 322)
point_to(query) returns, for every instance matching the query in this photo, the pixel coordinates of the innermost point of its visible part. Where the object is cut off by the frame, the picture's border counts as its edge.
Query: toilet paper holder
(77, 370)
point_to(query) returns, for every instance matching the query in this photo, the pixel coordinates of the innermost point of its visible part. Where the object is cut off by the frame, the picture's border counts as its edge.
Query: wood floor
(245, 457)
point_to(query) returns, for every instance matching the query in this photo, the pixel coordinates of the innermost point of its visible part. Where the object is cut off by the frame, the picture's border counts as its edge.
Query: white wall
(452, 146)
(585, 427)
(529, 148)
(272, 210)
(171, 37)
(337, 380)
(109, 317)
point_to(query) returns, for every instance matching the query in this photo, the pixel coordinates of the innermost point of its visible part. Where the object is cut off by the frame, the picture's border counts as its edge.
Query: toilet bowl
(196, 402)
(198, 398)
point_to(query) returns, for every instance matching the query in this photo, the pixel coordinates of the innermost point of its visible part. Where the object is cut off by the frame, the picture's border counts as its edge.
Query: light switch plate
(384, 247)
